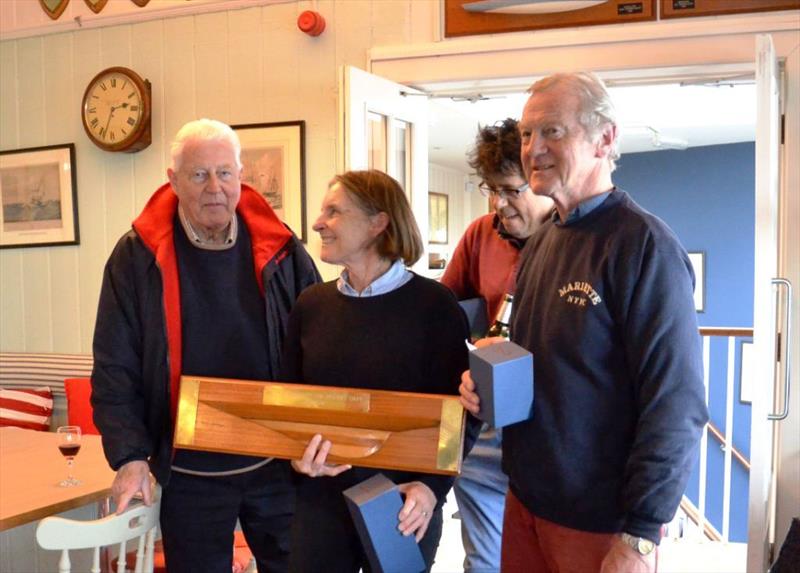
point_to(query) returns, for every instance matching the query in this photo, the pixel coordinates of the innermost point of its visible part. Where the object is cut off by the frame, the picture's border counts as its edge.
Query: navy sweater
(410, 339)
(605, 305)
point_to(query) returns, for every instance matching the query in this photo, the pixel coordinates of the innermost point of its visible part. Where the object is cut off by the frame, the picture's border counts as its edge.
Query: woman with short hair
(378, 326)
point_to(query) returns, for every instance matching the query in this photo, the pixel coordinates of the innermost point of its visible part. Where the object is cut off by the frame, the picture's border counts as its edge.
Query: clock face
(113, 109)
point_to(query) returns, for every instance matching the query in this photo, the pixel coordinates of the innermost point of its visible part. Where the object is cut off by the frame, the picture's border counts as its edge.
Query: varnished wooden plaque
(371, 428)
(689, 8)
(460, 22)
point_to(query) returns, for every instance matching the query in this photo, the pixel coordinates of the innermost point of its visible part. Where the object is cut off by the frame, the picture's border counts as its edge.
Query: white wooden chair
(137, 522)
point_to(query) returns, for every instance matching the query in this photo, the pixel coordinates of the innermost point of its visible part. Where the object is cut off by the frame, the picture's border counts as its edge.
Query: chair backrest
(137, 522)
(79, 408)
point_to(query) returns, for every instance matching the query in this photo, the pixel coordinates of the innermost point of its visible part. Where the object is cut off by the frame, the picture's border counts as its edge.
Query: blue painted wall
(707, 196)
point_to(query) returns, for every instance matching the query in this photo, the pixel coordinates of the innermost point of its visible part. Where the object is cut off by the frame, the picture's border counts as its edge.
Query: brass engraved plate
(345, 401)
(448, 454)
(187, 411)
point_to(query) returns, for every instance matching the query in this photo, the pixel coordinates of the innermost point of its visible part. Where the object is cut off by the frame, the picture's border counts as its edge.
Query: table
(31, 467)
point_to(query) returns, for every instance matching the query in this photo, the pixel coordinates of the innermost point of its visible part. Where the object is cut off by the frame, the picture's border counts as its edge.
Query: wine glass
(69, 444)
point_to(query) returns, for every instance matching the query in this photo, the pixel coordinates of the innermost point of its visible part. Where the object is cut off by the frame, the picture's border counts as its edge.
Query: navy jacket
(137, 339)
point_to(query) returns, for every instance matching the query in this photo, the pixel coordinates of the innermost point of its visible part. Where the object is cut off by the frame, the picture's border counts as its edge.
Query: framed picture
(689, 8)
(39, 197)
(437, 218)
(274, 160)
(698, 260)
(746, 373)
(472, 17)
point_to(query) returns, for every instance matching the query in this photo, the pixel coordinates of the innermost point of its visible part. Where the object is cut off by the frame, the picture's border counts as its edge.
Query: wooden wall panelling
(390, 22)
(9, 115)
(61, 108)
(31, 93)
(281, 65)
(116, 50)
(32, 133)
(690, 8)
(317, 81)
(424, 21)
(37, 311)
(87, 60)
(459, 22)
(179, 103)
(353, 20)
(212, 73)
(150, 165)
(246, 60)
(12, 323)
(12, 305)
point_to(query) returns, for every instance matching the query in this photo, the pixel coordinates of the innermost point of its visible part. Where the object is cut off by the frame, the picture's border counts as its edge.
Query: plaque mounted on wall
(474, 17)
(689, 8)
(370, 428)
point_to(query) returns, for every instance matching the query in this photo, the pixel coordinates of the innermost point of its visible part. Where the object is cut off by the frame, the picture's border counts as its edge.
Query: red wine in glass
(69, 444)
(69, 450)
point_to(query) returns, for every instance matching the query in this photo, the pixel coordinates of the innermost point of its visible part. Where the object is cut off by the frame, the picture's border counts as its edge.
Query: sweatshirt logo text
(578, 293)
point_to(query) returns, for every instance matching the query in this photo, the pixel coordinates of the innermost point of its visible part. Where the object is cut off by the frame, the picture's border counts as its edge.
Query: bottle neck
(504, 312)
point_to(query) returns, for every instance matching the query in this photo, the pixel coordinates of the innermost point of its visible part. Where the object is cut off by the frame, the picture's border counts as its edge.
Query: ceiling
(652, 117)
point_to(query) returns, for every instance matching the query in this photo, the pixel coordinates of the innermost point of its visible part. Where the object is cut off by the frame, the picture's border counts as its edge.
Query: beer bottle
(500, 325)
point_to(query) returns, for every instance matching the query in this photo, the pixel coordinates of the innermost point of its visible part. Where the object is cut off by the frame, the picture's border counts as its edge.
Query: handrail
(721, 439)
(726, 331)
(739, 333)
(694, 514)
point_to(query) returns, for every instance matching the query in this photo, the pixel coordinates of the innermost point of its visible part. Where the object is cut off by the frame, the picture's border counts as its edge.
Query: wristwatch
(639, 544)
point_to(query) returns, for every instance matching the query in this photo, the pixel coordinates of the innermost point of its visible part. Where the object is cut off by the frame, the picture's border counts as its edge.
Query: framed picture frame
(690, 8)
(39, 197)
(473, 17)
(698, 260)
(437, 218)
(274, 160)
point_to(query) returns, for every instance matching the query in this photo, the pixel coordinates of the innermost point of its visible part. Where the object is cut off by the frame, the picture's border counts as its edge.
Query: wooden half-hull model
(371, 428)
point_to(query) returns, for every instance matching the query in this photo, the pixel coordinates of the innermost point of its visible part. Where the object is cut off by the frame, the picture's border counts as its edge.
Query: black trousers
(325, 539)
(198, 517)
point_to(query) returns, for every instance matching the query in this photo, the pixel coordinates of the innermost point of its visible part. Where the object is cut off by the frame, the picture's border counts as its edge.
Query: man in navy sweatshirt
(604, 302)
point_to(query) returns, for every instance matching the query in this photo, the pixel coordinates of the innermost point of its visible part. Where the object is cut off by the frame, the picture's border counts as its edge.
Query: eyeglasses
(502, 192)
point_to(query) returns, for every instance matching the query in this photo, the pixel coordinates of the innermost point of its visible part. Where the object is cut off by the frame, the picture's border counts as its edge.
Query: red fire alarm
(312, 23)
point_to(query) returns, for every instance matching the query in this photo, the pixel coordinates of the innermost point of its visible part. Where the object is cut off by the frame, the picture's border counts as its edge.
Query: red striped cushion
(26, 407)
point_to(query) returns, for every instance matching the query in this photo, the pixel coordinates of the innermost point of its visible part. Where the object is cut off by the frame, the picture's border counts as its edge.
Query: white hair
(204, 130)
(596, 107)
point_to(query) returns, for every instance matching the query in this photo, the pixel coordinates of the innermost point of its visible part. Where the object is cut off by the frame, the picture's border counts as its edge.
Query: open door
(762, 477)
(384, 126)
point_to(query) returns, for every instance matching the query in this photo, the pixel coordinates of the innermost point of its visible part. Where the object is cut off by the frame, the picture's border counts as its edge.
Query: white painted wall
(249, 65)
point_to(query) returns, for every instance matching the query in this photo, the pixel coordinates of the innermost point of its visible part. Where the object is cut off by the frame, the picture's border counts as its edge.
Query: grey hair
(596, 107)
(206, 130)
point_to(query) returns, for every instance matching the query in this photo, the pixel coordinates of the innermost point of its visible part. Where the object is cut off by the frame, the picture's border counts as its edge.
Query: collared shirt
(393, 279)
(583, 208)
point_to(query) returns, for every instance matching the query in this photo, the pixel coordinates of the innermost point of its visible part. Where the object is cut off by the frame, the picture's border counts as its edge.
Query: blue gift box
(374, 505)
(503, 376)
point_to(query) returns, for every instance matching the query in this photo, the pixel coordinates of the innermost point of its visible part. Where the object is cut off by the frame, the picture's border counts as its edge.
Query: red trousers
(535, 545)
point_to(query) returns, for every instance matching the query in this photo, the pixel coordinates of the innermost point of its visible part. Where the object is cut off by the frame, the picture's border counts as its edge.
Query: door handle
(787, 346)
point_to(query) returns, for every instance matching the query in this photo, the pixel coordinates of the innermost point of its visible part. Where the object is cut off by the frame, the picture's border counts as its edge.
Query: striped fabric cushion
(26, 408)
(29, 370)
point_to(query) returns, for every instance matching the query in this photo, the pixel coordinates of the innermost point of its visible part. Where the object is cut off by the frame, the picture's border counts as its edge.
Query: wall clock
(116, 110)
